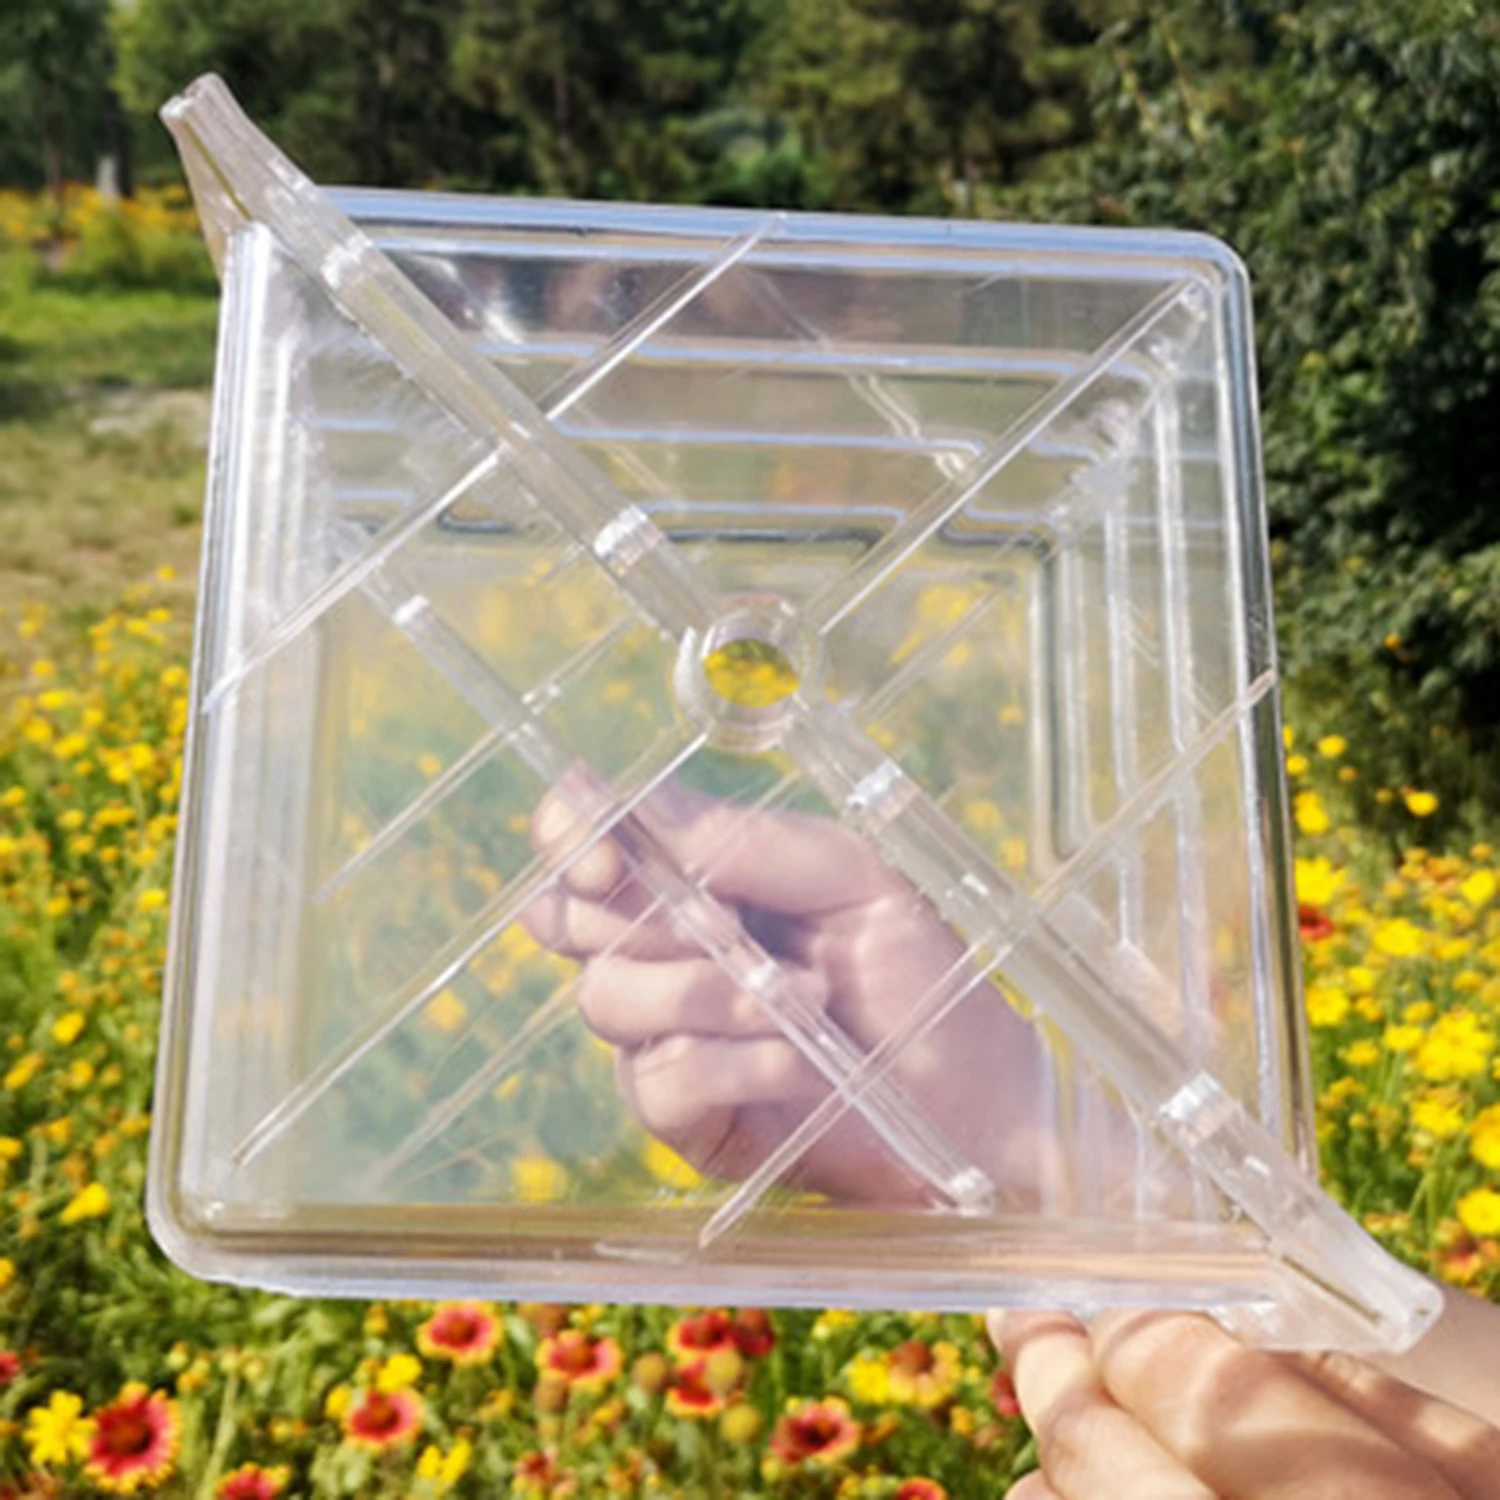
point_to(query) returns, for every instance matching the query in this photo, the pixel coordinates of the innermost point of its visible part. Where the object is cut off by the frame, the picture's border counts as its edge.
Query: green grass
(101, 465)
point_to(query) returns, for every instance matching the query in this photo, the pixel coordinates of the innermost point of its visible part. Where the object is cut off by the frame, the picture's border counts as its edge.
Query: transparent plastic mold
(734, 758)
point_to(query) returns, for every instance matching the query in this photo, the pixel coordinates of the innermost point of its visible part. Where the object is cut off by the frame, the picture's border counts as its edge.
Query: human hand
(706, 1069)
(1168, 1406)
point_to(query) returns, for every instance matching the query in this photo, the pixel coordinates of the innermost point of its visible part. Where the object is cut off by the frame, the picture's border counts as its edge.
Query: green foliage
(925, 106)
(1350, 149)
(54, 79)
(1351, 152)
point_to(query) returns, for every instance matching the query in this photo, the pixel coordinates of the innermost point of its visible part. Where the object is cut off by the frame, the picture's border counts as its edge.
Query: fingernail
(597, 872)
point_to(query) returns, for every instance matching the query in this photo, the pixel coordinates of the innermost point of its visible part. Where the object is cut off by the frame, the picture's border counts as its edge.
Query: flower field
(118, 1375)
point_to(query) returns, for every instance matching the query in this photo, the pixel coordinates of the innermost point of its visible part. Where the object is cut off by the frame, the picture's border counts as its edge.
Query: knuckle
(1071, 1430)
(1149, 1350)
(597, 987)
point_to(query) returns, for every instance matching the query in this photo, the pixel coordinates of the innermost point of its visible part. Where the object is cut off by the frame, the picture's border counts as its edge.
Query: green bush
(1351, 152)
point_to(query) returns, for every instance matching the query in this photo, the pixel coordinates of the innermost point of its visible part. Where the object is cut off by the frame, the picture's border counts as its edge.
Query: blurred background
(1348, 149)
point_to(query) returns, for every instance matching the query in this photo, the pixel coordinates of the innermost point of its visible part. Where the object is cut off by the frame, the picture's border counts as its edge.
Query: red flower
(920, 1489)
(696, 1338)
(816, 1432)
(752, 1332)
(134, 1443)
(1003, 1394)
(465, 1332)
(585, 1363)
(923, 1374)
(10, 1366)
(381, 1419)
(538, 1474)
(251, 1482)
(690, 1395)
(1314, 923)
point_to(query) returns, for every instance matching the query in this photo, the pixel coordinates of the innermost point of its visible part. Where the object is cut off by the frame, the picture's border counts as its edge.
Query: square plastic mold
(734, 758)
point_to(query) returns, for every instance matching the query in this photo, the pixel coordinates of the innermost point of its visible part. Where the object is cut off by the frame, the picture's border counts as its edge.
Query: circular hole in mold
(742, 677)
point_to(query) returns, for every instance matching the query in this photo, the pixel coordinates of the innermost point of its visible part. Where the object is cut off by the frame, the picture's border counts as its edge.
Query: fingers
(686, 1089)
(1089, 1447)
(1461, 1447)
(1245, 1421)
(560, 829)
(576, 928)
(631, 1003)
(778, 861)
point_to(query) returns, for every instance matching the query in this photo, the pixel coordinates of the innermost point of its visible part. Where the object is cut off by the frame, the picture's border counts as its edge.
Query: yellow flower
(1340, 1092)
(446, 1011)
(91, 1203)
(1318, 881)
(151, 899)
(1484, 1138)
(429, 765)
(80, 1073)
(1297, 765)
(1439, 1114)
(1361, 1054)
(1398, 938)
(1331, 746)
(1479, 888)
(66, 1027)
(1479, 1212)
(1312, 816)
(399, 1373)
(1288, 736)
(445, 1470)
(1326, 1006)
(10, 1148)
(7, 1272)
(1360, 979)
(831, 1321)
(58, 1433)
(23, 1071)
(983, 816)
(336, 1403)
(1402, 1038)
(1420, 804)
(1458, 1046)
(13, 796)
(1418, 1013)
(668, 1167)
(868, 1379)
(538, 1179)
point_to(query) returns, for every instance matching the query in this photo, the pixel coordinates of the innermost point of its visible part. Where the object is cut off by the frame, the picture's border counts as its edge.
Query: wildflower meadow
(122, 1376)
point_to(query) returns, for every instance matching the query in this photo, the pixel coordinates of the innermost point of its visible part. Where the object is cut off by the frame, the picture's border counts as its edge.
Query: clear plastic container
(734, 758)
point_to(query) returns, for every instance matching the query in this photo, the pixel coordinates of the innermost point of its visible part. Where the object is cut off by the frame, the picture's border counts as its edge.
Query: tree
(58, 78)
(356, 90)
(1351, 152)
(602, 95)
(929, 104)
